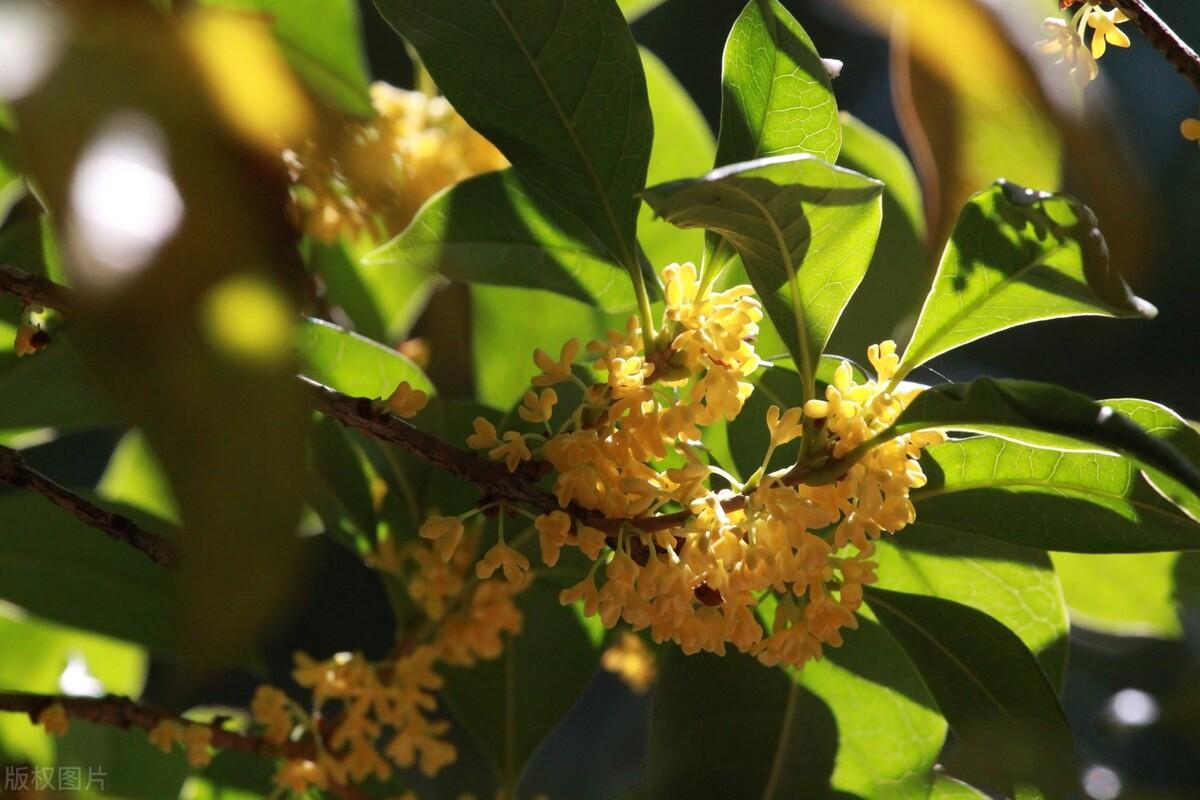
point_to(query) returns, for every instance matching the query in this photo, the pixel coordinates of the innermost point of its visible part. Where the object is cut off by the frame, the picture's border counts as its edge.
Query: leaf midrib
(573, 135)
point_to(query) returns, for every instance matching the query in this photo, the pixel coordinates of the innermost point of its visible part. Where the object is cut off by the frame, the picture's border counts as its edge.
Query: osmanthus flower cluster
(1067, 39)
(372, 176)
(369, 717)
(632, 448)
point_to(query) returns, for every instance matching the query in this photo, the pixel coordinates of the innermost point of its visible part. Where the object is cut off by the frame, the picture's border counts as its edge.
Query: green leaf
(338, 468)
(888, 300)
(805, 231)
(786, 737)
(1018, 256)
(321, 41)
(557, 88)
(636, 8)
(1053, 500)
(51, 388)
(1163, 423)
(56, 567)
(492, 230)
(684, 147)
(945, 788)
(354, 364)
(1126, 594)
(889, 731)
(134, 477)
(1043, 415)
(133, 768)
(988, 685)
(776, 94)
(512, 703)
(1014, 585)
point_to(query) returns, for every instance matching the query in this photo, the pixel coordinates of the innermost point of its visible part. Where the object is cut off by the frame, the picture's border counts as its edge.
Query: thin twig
(1159, 34)
(121, 712)
(15, 472)
(34, 290)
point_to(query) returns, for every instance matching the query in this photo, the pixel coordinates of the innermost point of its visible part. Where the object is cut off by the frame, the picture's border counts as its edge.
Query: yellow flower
(555, 371)
(1190, 129)
(406, 401)
(446, 532)
(165, 734)
(484, 437)
(784, 428)
(198, 739)
(299, 775)
(514, 564)
(591, 541)
(269, 709)
(1065, 42)
(535, 408)
(54, 719)
(1106, 32)
(552, 534)
(513, 451)
(631, 660)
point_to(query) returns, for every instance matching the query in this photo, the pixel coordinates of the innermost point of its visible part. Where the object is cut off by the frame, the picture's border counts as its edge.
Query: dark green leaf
(888, 300)
(1053, 500)
(989, 686)
(805, 231)
(320, 39)
(1043, 415)
(512, 703)
(683, 147)
(776, 93)
(354, 364)
(339, 468)
(1015, 585)
(557, 86)
(57, 567)
(1018, 256)
(133, 768)
(726, 726)
(52, 388)
(491, 230)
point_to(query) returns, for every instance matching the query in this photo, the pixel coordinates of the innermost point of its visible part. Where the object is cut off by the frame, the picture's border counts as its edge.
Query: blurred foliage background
(1133, 700)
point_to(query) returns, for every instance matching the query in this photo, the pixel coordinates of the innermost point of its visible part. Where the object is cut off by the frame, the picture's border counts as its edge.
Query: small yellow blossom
(1190, 129)
(512, 452)
(166, 734)
(54, 719)
(446, 532)
(484, 437)
(538, 408)
(300, 775)
(555, 371)
(1104, 23)
(198, 741)
(406, 401)
(631, 660)
(552, 529)
(514, 564)
(785, 428)
(1065, 42)
(269, 708)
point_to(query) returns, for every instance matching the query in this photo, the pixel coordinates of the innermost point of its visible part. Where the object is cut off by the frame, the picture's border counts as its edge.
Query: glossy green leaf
(52, 388)
(889, 730)
(776, 94)
(786, 737)
(491, 230)
(1018, 256)
(35, 655)
(58, 568)
(805, 231)
(354, 364)
(135, 478)
(1014, 585)
(1124, 594)
(321, 40)
(1163, 423)
(945, 788)
(684, 146)
(1053, 500)
(636, 8)
(1043, 415)
(886, 304)
(512, 703)
(988, 685)
(338, 468)
(559, 91)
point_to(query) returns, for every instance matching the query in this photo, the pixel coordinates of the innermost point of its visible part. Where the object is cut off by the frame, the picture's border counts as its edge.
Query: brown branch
(121, 712)
(1159, 34)
(34, 290)
(15, 472)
